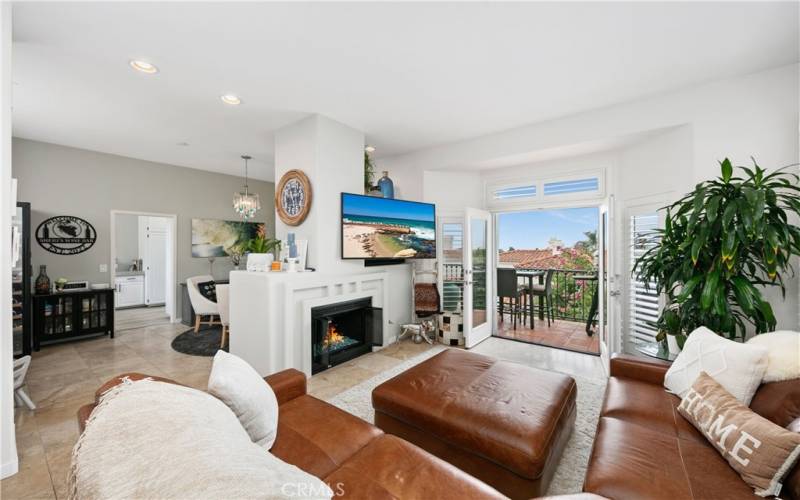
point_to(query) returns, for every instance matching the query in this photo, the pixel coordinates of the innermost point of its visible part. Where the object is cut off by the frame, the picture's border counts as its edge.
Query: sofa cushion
(783, 354)
(760, 451)
(391, 468)
(647, 405)
(318, 437)
(778, 402)
(632, 461)
(737, 367)
(239, 386)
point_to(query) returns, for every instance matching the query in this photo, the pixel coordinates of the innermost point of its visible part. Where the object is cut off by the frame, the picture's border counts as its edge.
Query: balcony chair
(201, 305)
(509, 288)
(223, 304)
(546, 291)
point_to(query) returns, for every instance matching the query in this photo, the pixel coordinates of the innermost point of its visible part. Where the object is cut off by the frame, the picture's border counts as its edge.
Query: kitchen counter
(129, 273)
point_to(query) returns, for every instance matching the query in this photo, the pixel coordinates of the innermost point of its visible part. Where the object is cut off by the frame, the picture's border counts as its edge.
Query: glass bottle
(42, 281)
(386, 185)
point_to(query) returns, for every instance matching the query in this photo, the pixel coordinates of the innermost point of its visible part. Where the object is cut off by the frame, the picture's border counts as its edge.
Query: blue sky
(381, 207)
(535, 228)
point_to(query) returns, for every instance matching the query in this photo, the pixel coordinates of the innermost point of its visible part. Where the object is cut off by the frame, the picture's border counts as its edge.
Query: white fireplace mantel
(270, 316)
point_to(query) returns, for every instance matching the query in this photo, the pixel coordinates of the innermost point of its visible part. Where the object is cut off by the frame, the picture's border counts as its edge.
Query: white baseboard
(9, 468)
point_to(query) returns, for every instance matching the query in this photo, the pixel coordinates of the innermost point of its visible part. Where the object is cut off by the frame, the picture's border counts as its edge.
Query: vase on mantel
(42, 281)
(386, 185)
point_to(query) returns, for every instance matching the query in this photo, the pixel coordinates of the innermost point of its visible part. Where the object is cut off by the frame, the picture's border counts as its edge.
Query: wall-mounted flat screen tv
(381, 228)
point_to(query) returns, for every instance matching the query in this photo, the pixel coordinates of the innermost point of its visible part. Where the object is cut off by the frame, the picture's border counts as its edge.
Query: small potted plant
(263, 244)
(60, 282)
(670, 330)
(235, 253)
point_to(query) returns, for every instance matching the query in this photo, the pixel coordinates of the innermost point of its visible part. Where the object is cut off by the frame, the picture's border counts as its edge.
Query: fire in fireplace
(343, 331)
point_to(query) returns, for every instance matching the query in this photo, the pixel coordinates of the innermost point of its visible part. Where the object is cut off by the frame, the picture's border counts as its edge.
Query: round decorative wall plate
(293, 197)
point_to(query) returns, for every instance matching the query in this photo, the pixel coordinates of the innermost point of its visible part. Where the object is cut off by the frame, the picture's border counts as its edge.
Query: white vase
(672, 344)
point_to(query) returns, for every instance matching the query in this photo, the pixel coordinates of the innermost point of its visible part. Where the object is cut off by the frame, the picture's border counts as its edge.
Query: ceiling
(410, 75)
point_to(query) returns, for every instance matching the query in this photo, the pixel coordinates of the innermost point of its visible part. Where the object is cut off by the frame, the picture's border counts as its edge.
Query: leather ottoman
(501, 422)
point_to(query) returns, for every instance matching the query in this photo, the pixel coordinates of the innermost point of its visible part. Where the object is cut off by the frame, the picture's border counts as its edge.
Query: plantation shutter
(643, 304)
(452, 268)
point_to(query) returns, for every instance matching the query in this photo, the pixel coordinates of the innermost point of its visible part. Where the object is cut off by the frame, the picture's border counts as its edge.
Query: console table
(72, 314)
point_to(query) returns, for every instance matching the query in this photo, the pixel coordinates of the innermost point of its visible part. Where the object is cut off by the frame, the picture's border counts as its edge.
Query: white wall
(8, 446)
(754, 115)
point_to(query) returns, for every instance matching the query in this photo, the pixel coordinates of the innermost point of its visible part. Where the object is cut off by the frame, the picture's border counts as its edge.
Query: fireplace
(343, 331)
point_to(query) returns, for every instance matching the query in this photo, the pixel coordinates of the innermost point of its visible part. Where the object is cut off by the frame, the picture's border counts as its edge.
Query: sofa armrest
(646, 370)
(287, 384)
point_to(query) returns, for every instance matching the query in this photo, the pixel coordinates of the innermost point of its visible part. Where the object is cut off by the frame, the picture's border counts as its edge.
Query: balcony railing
(572, 299)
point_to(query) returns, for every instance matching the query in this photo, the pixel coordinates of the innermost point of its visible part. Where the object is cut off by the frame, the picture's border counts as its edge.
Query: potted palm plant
(720, 246)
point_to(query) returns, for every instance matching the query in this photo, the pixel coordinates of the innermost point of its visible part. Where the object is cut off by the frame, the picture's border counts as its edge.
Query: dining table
(529, 274)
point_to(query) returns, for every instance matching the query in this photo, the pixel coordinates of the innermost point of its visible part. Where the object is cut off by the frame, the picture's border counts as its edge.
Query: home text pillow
(238, 385)
(737, 367)
(155, 440)
(783, 354)
(760, 451)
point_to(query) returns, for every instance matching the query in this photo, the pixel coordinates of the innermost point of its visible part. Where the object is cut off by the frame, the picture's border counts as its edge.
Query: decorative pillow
(738, 367)
(760, 451)
(253, 401)
(208, 289)
(783, 354)
(149, 439)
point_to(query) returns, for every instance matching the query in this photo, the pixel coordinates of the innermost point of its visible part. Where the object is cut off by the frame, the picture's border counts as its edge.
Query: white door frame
(172, 244)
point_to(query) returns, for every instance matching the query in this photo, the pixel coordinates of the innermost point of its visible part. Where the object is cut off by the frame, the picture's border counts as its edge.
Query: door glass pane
(606, 295)
(452, 263)
(478, 243)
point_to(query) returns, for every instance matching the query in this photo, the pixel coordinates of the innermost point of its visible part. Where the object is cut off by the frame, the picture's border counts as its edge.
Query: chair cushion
(390, 468)
(317, 436)
(208, 289)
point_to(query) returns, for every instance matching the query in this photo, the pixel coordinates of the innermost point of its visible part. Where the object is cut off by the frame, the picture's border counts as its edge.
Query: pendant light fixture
(246, 204)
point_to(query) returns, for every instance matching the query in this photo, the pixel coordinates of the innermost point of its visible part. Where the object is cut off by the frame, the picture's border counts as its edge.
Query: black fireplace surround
(343, 331)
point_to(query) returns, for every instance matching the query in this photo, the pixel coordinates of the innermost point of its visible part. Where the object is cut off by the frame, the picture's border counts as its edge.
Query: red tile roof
(543, 259)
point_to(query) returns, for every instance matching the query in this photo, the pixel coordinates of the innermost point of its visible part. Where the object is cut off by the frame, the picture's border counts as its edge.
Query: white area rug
(572, 467)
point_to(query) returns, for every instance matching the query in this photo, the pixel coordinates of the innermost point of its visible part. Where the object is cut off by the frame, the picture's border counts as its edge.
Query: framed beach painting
(213, 237)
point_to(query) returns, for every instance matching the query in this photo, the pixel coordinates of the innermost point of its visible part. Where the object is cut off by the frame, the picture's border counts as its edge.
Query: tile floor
(562, 334)
(64, 377)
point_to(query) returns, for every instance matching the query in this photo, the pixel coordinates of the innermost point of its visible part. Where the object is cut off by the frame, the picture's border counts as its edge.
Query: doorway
(143, 267)
(547, 277)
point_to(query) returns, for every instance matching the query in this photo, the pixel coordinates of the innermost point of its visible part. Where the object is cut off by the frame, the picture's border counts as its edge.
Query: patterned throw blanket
(149, 439)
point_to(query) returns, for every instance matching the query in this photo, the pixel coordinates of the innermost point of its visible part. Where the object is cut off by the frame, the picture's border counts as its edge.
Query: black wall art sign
(65, 235)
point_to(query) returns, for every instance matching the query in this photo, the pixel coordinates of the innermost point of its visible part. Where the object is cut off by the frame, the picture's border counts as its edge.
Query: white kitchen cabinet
(128, 291)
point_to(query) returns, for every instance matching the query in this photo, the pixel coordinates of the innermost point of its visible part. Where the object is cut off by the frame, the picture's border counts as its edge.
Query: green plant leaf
(709, 290)
(727, 170)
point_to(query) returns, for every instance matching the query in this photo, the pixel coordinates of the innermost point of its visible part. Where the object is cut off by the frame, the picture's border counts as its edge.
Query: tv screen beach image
(380, 228)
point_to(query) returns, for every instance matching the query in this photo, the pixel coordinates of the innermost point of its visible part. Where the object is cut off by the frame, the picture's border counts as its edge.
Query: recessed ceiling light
(369, 149)
(230, 99)
(182, 144)
(143, 66)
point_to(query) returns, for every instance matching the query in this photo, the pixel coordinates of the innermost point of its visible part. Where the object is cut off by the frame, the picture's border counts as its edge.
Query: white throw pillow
(737, 367)
(253, 401)
(783, 354)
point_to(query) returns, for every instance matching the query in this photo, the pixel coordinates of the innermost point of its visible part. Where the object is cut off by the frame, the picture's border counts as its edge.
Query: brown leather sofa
(354, 457)
(645, 449)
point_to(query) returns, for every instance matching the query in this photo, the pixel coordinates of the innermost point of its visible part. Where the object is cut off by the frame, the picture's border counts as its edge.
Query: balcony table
(530, 274)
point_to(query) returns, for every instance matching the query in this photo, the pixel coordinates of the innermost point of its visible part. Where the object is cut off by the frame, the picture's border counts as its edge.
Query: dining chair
(545, 290)
(201, 305)
(509, 288)
(223, 304)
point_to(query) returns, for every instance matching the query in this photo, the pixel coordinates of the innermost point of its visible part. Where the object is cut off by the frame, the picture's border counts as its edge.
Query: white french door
(606, 284)
(478, 303)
